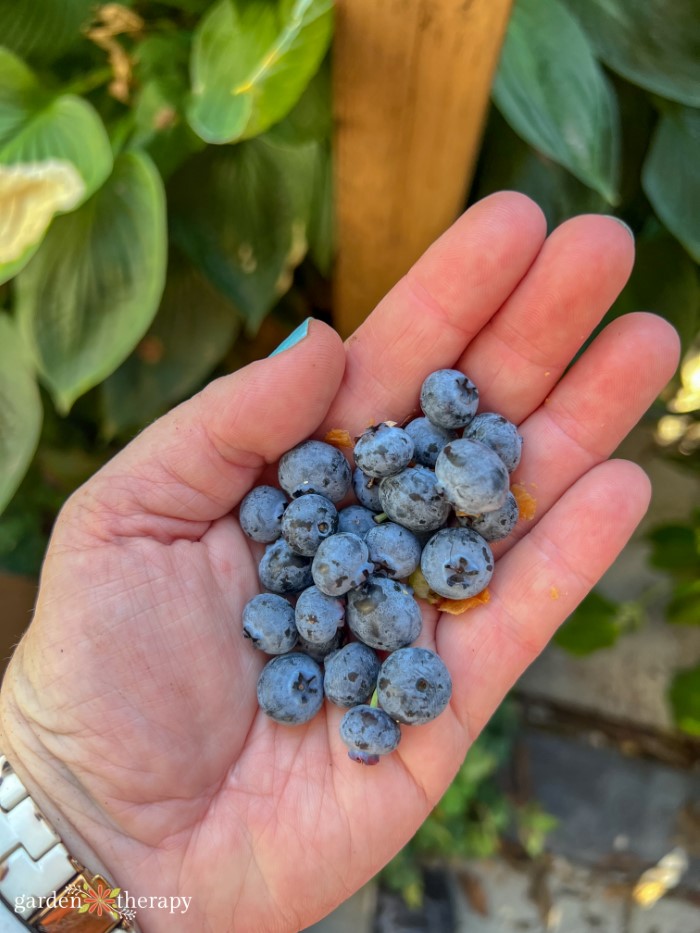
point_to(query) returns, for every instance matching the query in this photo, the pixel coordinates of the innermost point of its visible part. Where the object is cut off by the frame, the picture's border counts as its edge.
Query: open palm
(129, 707)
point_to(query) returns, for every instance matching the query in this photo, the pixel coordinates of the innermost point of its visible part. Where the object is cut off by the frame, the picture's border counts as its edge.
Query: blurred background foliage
(166, 179)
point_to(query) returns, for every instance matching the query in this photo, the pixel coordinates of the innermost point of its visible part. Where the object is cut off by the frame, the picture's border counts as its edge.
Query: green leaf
(20, 411)
(190, 334)
(592, 626)
(90, 292)
(664, 280)
(251, 61)
(675, 548)
(670, 177)
(54, 153)
(240, 213)
(552, 91)
(42, 30)
(310, 120)
(684, 607)
(684, 694)
(653, 44)
(321, 218)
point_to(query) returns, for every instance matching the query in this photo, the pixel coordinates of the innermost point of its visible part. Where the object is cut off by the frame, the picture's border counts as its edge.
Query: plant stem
(88, 82)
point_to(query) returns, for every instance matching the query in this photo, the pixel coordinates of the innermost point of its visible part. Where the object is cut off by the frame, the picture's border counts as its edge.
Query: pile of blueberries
(337, 594)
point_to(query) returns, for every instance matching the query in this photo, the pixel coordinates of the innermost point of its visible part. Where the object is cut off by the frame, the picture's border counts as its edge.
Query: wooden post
(411, 89)
(17, 595)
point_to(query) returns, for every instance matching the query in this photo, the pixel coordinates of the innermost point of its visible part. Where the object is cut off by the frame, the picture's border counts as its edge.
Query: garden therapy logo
(99, 899)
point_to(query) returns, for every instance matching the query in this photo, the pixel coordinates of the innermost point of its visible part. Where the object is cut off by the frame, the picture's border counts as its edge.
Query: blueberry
(499, 434)
(383, 614)
(356, 519)
(366, 490)
(318, 617)
(307, 521)
(283, 571)
(319, 652)
(493, 526)
(383, 450)
(350, 675)
(393, 550)
(414, 686)
(261, 513)
(369, 733)
(341, 563)
(268, 621)
(449, 399)
(290, 689)
(315, 467)
(428, 440)
(457, 563)
(472, 477)
(412, 499)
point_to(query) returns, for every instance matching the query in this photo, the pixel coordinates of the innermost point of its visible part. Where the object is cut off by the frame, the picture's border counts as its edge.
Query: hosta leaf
(670, 176)
(653, 44)
(191, 332)
(552, 91)
(54, 153)
(240, 213)
(20, 410)
(41, 30)
(251, 61)
(684, 694)
(90, 292)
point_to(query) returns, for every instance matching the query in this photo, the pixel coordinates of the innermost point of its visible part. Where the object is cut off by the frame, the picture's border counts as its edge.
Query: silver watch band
(34, 864)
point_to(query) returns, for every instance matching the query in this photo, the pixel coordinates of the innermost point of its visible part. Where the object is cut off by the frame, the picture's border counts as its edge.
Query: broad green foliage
(652, 43)
(20, 411)
(594, 625)
(191, 332)
(81, 318)
(553, 92)
(684, 695)
(42, 30)
(671, 178)
(251, 61)
(240, 213)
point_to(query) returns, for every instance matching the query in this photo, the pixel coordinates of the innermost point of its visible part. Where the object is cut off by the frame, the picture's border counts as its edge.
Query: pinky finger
(537, 585)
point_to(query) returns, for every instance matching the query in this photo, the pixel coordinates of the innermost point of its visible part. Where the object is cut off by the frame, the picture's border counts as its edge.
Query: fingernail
(295, 337)
(623, 224)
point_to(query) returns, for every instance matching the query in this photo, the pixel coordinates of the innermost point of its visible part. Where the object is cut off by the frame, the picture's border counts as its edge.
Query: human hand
(129, 708)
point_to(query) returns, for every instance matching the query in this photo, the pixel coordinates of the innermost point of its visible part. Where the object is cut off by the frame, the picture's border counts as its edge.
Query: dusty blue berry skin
(411, 499)
(414, 686)
(428, 440)
(341, 563)
(357, 520)
(369, 733)
(318, 617)
(350, 675)
(319, 652)
(282, 570)
(261, 513)
(457, 563)
(471, 476)
(383, 614)
(268, 621)
(493, 526)
(366, 490)
(315, 467)
(499, 434)
(307, 521)
(394, 550)
(290, 689)
(383, 450)
(449, 398)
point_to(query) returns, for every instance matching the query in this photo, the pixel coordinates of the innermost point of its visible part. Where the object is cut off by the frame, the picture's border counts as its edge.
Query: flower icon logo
(99, 899)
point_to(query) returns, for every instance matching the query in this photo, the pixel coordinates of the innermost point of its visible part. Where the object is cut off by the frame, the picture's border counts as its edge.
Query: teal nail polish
(623, 224)
(295, 337)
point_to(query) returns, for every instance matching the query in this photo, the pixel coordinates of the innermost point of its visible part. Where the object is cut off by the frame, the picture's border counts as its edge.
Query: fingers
(593, 408)
(537, 585)
(523, 350)
(428, 318)
(194, 464)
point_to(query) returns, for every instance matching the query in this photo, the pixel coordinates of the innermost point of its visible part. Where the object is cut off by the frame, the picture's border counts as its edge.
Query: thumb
(199, 460)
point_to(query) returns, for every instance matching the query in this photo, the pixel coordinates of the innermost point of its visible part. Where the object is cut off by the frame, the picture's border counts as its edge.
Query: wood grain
(410, 88)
